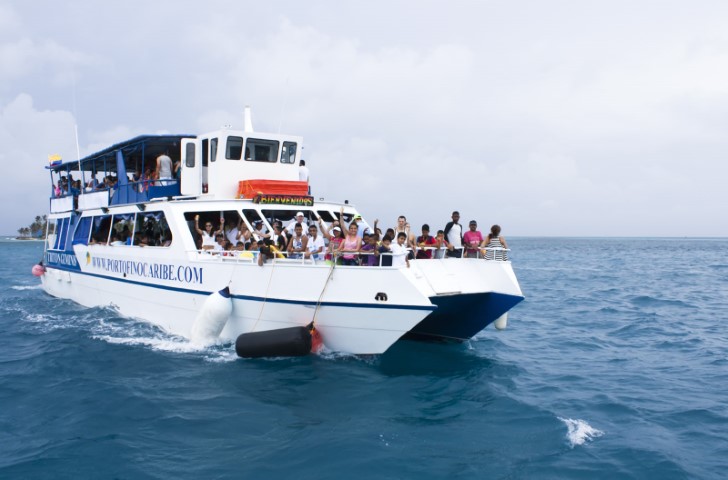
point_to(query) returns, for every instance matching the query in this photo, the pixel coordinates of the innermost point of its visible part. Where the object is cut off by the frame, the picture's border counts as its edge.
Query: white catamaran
(115, 237)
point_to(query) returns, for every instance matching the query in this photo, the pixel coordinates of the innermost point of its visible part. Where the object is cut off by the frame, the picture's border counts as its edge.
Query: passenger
(350, 246)
(441, 245)
(315, 244)
(369, 246)
(115, 240)
(424, 243)
(303, 174)
(399, 251)
(265, 251)
(299, 219)
(279, 237)
(219, 246)
(327, 232)
(335, 242)
(454, 236)
(298, 242)
(208, 234)
(243, 234)
(259, 234)
(385, 252)
(495, 240)
(472, 239)
(390, 234)
(357, 220)
(239, 246)
(403, 226)
(164, 170)
(178, 171)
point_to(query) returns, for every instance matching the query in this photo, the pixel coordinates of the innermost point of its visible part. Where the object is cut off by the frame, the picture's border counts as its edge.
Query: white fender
(212, 317)
(501, 322)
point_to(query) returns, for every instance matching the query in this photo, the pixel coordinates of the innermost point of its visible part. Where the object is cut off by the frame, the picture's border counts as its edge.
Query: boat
(161, 274)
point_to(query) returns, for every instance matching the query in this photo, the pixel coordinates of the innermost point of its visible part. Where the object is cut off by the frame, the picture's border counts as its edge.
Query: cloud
(586, 120)
(28, 136)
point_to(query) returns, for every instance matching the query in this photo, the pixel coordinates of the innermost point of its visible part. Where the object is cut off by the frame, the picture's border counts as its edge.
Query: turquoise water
(615, 366)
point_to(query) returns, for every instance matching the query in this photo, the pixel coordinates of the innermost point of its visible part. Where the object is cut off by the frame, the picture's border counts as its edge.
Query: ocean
(615, 366)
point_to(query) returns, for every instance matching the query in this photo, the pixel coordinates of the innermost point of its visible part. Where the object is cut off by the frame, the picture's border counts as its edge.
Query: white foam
(173, 345)
(26, 287)
(579, 431)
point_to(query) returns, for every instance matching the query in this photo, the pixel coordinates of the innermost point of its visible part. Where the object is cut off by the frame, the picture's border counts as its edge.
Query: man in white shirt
(303, 174)
(454, 236)
(299, 219)
(399, 251)
(315, 246)
(164, 169)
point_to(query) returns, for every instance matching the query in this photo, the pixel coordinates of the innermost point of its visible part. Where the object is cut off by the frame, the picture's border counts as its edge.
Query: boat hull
(347, 322)
(460, 317)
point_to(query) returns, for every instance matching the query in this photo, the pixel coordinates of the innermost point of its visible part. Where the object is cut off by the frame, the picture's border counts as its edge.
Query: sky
(558, 118)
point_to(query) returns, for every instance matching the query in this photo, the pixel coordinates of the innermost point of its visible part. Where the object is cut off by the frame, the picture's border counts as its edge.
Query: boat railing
(125, 193)
(498, 254)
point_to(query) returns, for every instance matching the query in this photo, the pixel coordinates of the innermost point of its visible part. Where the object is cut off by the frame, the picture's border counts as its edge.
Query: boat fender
(317, 343)
(212, 317)
(284, 342)
(38, 270)
(501, 322)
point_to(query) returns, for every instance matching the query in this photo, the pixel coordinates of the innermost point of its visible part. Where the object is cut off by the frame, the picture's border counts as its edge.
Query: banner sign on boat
(160, 271)
(66, 261)
(297, 200)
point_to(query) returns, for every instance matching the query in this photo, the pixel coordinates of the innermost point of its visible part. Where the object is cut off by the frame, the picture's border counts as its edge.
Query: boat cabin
(224, 164)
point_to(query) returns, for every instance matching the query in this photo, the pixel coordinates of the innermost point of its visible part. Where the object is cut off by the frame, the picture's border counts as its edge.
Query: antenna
(248, 122)
(283, 105)
(75, 118)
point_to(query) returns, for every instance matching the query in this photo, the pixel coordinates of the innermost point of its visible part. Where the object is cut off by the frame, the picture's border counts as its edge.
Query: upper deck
(210, 166)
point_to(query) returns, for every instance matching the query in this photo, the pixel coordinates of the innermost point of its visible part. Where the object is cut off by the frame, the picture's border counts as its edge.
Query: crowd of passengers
(151, 234)
(350, 245)
(165, 173)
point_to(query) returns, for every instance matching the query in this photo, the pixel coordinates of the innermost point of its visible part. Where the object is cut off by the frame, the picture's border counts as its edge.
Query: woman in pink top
(350, 246)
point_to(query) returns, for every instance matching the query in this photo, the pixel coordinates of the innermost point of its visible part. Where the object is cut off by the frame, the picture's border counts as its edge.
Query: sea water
(615, 366)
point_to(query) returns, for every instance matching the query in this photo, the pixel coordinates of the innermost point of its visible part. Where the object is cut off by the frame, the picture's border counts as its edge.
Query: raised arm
(197, 225)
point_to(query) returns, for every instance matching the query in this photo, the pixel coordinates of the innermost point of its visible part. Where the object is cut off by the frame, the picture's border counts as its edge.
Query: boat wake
(27, 287)
(579, 431)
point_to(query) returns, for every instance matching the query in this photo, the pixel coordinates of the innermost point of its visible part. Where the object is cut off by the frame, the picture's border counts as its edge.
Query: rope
(267, 289)
(318, 303)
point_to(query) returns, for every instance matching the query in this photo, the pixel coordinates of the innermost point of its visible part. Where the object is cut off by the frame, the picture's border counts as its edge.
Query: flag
(54, 159)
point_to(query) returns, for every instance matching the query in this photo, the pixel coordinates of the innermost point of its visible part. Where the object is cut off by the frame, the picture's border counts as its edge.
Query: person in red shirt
(423, 241)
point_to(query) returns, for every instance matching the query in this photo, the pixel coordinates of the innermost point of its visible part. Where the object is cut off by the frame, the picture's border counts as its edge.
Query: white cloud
(571, 119)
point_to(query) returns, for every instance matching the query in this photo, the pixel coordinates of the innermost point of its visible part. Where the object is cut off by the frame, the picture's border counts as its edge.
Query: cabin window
(288, 153)
(286, 216)
(100, 229)
(80, 237)
(152, 230)
(326, 216)
(234, 148)
(122, 229)
(233, 222)
(259, 150)
(213, 149)
(190, 155)
(61, 233)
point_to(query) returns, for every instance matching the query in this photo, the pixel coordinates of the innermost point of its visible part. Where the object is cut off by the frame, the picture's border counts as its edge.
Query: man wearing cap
(472, 240)
(299, 219)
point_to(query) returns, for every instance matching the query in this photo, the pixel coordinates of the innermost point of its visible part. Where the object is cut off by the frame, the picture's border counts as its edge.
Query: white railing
(498, 254)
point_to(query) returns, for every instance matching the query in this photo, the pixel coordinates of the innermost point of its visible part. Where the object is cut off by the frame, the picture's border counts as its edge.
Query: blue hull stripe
(259, 299)
(459, 317)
